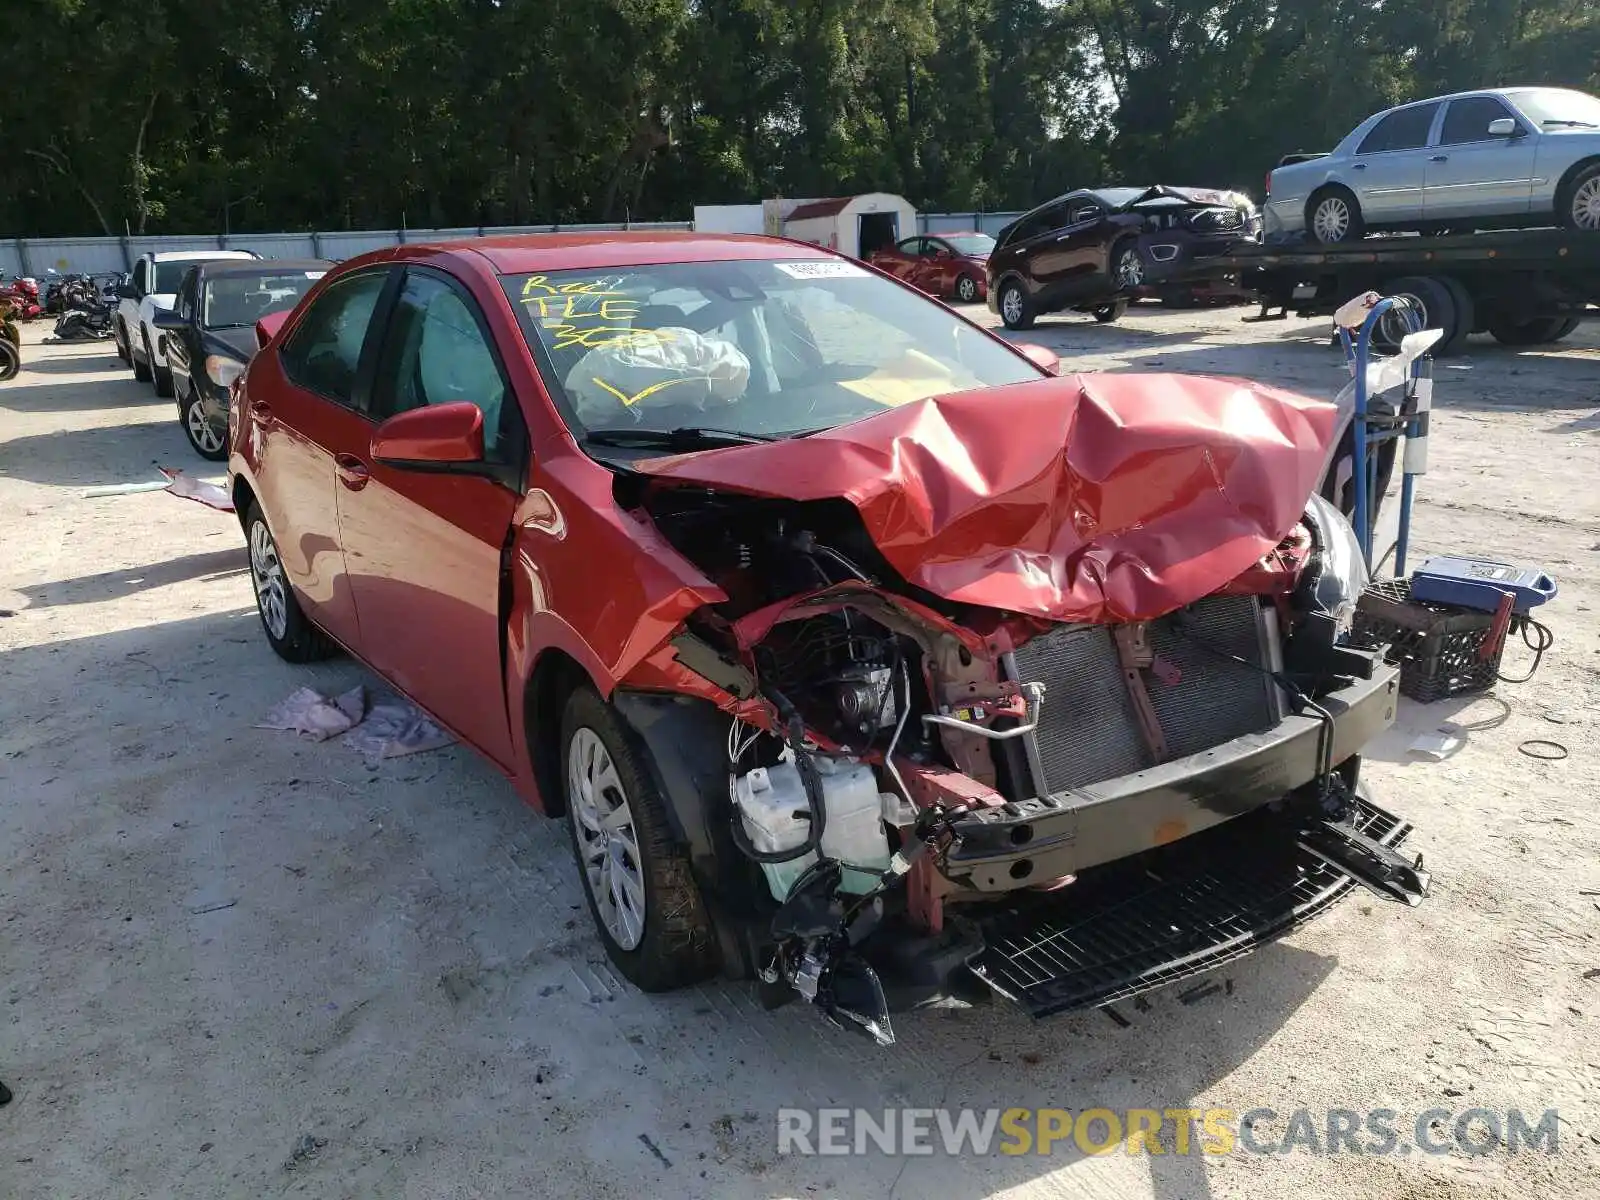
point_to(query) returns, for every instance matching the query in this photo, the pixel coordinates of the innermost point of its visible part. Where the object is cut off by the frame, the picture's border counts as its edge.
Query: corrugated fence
(34, 256)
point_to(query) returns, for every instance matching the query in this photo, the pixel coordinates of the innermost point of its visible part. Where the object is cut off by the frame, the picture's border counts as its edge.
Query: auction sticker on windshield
(823, 269)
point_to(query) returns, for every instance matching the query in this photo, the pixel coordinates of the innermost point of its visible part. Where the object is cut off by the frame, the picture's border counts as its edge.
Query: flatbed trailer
(1526, 287)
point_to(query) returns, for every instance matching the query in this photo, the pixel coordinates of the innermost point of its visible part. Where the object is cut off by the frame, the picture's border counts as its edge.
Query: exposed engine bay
(913, 777)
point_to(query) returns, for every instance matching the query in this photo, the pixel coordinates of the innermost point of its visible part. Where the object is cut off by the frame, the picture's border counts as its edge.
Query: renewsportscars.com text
(1154, 1131)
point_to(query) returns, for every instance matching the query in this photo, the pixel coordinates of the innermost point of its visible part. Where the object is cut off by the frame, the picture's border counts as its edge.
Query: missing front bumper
(1165, 915)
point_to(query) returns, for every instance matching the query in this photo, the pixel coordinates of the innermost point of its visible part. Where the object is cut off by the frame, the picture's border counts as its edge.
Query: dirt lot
(236, 964)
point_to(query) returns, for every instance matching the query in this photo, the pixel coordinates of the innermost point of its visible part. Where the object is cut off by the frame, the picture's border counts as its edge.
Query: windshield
(235, 300)
(757, 348)
(1116, 197)
(1555, 107)
(976, 244)
(169, 275)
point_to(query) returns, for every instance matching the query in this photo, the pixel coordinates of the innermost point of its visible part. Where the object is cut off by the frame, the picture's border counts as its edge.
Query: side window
(323, 354)
(932, 247)
(911, 246)
(436, 352)
(1468, 120)
(1404, 129)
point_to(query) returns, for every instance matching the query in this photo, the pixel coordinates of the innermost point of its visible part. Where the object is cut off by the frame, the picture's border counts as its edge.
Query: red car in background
(947, 265)
(847, 637)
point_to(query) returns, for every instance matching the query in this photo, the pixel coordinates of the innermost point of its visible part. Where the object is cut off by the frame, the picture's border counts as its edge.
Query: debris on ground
(306, 1149)
(212, 495)
(1437, 745)
(312, 715)
(393, 729)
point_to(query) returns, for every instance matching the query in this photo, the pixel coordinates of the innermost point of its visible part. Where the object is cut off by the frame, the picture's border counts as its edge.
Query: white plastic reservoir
(772, 804)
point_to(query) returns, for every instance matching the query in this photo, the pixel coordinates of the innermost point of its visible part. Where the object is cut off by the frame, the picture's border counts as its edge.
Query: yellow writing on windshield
(540, 285)
(572, 308)
(630, 401)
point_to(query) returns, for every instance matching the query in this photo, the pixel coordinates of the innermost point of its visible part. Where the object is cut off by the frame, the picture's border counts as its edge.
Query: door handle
(352, 471)
(1358, 166)
(1440, 158)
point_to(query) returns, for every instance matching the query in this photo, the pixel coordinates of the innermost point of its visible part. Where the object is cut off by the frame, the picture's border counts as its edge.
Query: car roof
(212, 268)
(529, 252)
(166, 256)
(1502, 92)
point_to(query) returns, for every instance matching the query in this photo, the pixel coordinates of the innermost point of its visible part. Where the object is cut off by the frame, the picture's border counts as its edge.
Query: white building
(853, 225)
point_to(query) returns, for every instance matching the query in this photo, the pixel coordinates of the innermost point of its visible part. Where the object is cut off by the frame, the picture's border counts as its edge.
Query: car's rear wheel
(1016, 309)
(202, 435)
(292, 637)
(642, 896)
(1333, 214)
(1579, 206)
(966, 289)
(1537, 331)
(1106, 314)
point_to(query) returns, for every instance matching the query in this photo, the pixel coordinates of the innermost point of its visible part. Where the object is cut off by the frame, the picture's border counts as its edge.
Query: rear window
(235, 300)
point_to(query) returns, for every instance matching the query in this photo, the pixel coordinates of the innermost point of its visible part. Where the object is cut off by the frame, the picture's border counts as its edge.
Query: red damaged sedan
(863, 655)
(948, 265)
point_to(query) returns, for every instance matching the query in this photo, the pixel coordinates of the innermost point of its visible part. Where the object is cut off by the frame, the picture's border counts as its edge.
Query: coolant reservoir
(772, 805)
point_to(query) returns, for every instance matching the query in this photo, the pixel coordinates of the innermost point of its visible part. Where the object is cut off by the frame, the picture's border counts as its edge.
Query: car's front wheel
(1334, 215)
(159, 375)
(1108, 314)
(1580, 202)
(202, 434)
(1127, 267)
(1016, 310)
(142, 366)
(119, 335)
(292, 636)
(642, 896)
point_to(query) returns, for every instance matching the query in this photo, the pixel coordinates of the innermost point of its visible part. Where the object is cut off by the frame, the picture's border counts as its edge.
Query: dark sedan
(1091, 250)
(209, 336)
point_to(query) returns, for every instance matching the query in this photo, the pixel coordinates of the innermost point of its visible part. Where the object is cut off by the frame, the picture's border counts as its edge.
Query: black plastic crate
(1440, 648)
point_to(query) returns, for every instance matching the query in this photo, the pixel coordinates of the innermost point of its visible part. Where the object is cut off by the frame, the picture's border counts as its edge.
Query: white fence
(33, 256)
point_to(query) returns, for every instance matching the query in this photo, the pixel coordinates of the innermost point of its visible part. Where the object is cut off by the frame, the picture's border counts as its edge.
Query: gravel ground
(235, 964)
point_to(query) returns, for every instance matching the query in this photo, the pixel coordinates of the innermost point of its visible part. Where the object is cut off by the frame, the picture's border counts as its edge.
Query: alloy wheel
(966, 289)
(266, 573)
(205, 437)
(1586, 205)
(1130, 268)
(1011, 304)
(608, 843)
(1331, 220)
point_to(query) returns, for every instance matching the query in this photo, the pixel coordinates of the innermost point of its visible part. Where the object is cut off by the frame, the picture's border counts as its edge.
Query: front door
(304, 409)
(1388, 166)
(1469, 173)
(423, 550)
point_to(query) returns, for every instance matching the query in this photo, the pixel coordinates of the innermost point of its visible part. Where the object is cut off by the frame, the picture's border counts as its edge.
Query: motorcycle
(86, 320)
(10, 343)
(24, 296)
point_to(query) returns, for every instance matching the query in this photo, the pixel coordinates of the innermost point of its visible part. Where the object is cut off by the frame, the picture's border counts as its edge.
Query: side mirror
(442, 437)
(126, 291)
(267, 327)
(1040, 356)
(166, 319)
(1503, 127)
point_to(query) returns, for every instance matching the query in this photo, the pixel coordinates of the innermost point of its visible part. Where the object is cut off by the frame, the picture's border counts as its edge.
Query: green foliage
(194, 115)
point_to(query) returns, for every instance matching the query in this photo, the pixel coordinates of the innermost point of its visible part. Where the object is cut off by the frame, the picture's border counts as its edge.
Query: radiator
(1089, 729)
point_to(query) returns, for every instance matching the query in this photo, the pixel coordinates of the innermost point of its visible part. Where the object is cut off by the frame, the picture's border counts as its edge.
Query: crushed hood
(1084, 498)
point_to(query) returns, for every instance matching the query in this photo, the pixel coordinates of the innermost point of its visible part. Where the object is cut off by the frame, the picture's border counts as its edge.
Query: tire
(1539, 331)
(292, 637)
(207, 443)
(1324, 223)
(967, 289)
(1107, 314)
(10, 360)
(1127, 266)
(120, 336)
(1440, 310)
(1578, 206)
(142, 371)
(1016, 308)
(655, 928)
(161, 377)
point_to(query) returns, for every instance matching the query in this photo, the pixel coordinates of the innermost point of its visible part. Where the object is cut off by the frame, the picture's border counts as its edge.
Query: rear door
(306, 411)
(1386, 171)
(899, 260)
(940, 267)
(424, 550)
(1469, 173)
